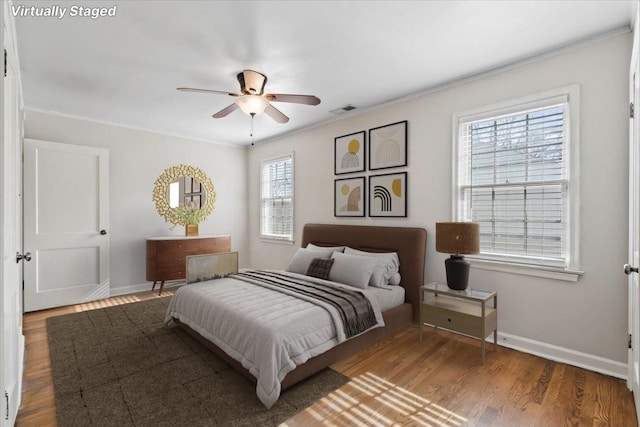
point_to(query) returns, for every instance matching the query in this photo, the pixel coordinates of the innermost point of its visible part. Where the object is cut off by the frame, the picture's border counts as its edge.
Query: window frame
(513, 264)
(276, 237)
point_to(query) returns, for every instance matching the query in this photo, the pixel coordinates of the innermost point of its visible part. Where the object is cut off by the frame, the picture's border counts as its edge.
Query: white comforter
(269, 332)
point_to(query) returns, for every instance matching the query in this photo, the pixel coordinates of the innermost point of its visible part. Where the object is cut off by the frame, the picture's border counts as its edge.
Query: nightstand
(466, 312)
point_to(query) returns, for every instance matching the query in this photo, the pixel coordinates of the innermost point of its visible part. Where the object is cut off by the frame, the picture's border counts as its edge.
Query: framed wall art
(388, 146)
(349, 153)
(349, 197)
(388, 195)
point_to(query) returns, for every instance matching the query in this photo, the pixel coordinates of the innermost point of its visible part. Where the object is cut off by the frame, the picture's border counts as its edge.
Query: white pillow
(351, 269)
(333, 248)
(395, 279)
(303, 257)
(386, 269)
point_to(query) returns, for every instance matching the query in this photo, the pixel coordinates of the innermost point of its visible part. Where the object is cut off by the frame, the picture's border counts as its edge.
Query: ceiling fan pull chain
(251, 133)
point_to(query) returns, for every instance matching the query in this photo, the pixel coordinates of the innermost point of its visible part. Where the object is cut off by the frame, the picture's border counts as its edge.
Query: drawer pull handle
(449, 319)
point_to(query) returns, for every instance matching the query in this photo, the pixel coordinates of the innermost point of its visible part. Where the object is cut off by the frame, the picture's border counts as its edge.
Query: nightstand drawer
(464, 311)
(458, 316)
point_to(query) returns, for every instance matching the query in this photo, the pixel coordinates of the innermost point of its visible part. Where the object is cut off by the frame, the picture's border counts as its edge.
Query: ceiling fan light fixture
(252, 104)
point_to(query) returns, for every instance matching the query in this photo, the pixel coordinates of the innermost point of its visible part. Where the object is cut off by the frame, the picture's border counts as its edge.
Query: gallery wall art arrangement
(385, 148)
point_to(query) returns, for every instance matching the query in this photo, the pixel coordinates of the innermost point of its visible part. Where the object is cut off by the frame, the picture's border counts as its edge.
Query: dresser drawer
(178, 246)
(171, 272)
(213, 246)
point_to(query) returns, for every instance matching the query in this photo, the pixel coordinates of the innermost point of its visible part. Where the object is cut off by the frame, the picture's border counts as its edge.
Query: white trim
(272, 238)
(126, 126)
(573, 175)
(564, 355)
(527, 269)
(455, 81)
(143, 287)
(130, 289)
(458, 81)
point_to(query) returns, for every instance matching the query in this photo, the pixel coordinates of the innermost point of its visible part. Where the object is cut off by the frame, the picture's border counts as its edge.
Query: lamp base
(457, 272)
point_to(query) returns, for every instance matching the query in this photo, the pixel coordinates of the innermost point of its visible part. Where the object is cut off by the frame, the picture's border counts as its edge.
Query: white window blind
(513, 179)
(276, 221)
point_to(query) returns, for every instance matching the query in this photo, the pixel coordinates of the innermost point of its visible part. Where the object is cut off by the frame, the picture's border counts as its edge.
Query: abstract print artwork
(388, 146)
(349, 195)
(350, 153)
(388, 195)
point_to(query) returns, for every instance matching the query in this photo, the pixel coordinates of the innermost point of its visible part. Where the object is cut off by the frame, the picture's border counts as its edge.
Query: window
(276, 192)
(515, 176)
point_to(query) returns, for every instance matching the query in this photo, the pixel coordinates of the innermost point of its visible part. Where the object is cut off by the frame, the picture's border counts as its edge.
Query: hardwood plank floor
(399, 382)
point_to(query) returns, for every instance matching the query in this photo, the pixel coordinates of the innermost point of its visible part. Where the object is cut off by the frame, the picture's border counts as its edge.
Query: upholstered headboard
(408, 242)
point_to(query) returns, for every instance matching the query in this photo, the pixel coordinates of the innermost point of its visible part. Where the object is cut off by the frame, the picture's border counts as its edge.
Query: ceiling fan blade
(296, 99)
(276, 114)
(192, 89)
(226, 111)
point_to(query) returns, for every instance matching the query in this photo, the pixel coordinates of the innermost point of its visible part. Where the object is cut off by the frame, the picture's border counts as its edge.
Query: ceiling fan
(253, 101)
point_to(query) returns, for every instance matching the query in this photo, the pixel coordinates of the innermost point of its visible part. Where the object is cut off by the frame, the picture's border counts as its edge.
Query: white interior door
(66, 224)
(12, 340)
(631, 269)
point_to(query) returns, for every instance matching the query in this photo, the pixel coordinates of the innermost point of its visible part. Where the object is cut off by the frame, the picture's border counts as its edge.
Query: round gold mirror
(182, 187)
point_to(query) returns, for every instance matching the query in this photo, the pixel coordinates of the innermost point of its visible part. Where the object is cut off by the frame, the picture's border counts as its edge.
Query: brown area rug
(120, 366)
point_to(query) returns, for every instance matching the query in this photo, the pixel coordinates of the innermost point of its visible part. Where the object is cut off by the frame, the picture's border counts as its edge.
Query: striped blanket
(353, 307)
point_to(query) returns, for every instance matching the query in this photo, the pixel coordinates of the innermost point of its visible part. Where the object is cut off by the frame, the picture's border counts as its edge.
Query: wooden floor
(399, 382)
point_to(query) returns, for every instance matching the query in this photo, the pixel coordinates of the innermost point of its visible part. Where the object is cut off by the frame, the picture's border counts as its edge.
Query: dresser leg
(154, 285)
(161, 286)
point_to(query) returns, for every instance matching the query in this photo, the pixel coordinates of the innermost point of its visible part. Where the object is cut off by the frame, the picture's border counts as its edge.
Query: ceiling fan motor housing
(252, 82)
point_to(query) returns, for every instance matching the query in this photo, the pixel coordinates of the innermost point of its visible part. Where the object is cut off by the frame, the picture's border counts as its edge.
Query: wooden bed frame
(408, 242)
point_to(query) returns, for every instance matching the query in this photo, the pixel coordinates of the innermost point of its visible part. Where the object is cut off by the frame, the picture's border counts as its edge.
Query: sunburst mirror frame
(161, 191)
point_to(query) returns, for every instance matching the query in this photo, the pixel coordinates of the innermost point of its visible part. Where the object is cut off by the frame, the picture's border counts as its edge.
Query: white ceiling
(125, 69)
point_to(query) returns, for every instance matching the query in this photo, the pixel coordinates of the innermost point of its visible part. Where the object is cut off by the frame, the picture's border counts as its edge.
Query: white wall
(137, 158)
(589, 316)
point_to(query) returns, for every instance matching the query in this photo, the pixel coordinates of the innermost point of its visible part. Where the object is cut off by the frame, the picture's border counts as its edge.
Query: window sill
(528, 270)
(279, 240)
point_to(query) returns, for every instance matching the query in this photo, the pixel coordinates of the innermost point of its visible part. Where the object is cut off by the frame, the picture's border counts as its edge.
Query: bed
(410, 245)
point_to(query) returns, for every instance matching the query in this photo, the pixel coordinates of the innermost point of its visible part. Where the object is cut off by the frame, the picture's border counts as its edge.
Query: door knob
(20, 257)
(103, 232)
(628, 269)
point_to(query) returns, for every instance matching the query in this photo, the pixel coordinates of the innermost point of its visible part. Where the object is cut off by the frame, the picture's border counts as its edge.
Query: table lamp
(457, 239)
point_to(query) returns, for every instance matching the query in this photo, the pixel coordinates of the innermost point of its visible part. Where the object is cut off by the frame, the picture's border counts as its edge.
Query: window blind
(277, 198)
(513, 180)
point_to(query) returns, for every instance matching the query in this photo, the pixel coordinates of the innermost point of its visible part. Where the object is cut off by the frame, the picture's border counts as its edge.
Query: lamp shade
(252, 104)
(459, 238)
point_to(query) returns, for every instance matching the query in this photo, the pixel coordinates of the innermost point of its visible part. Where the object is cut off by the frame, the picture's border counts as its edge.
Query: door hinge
(5, 62)
(6, 398)
(630, 346)
(631, 110)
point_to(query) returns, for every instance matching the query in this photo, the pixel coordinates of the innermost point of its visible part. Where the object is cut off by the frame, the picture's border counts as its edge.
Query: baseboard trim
(132, 289)
(526, 345)
(564, 355)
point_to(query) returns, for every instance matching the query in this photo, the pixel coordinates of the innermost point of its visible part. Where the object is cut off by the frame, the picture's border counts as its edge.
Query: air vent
(343, 110)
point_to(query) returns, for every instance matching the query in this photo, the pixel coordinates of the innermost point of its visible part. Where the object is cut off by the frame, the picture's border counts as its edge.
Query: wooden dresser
(167, 256)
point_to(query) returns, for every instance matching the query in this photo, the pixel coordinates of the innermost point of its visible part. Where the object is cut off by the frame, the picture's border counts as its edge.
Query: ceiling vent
(343, 110)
